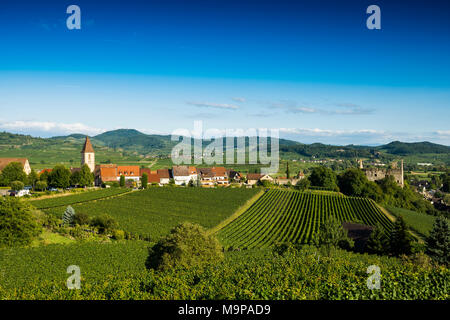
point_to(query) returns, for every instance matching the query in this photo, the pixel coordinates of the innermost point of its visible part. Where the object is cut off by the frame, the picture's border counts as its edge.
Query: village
(107, 175)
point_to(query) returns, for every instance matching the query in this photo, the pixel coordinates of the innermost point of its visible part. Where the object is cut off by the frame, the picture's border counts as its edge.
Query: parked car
(52, 189)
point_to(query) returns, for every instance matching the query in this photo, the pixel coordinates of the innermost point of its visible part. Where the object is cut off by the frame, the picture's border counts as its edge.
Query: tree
(352, 182)
(33, 178)
(41, 185)
(59, 177)
(17, 185)
(332, 234)
(44, 176)
(12, 172)
(400, 242)
(144, 181)
(17, 224)
(122, 181)
(187, 245)
(287, 170)
(86, 176)
(438, 242)
(75, 178)
(377, 242)
(302, 184)
(68, 216)
(446, 182)
(324, 177)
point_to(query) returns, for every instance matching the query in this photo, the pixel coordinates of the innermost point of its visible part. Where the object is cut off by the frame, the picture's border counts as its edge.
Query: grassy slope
(419, 222)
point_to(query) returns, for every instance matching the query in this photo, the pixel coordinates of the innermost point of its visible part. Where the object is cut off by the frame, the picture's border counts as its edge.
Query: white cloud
(50, 127)
(239, 99)
(213, 105)
(343, 108)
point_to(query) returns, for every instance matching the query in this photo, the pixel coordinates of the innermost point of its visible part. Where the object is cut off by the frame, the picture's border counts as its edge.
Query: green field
(420, 222)
(117, 271)
(280, 216)
(22, 266)
(77, 198)
(153, 212)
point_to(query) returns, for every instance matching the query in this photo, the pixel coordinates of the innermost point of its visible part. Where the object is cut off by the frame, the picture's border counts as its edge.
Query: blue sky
(309, 68)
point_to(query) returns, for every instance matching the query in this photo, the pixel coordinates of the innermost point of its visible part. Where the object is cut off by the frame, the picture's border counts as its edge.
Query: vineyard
(117, 271)
(281, 216)
(153, 212)
(77, 198)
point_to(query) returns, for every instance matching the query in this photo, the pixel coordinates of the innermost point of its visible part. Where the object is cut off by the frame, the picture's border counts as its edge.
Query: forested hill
(134, 141)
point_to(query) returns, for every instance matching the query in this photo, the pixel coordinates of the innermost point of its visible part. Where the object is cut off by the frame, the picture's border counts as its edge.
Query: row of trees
(14, 176)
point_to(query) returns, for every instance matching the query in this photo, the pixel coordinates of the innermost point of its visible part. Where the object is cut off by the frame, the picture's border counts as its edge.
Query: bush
(50, 221)
(118, 234)
(104, 223)
(17, 185)
(17, 224)
(186, 246)
(81, 218)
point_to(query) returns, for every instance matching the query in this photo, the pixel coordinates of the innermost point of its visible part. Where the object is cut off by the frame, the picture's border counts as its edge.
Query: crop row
(77, 198)
(280, 216)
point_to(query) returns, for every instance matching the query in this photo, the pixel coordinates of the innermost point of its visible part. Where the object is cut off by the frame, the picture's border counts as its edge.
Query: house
(105, 173)
(181, 175)
(23, 161)
(253, 178)
(220, 175)
(234, 175)
(206, 176)
(45, 171)
(153, 176)
(129, 172)
(193, 173)
(164, 176)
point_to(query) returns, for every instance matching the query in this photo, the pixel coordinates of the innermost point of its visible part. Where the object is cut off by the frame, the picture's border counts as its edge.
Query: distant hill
(403, 148)
(136, 142)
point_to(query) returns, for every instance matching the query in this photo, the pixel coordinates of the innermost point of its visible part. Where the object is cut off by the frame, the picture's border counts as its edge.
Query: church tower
(87, 155)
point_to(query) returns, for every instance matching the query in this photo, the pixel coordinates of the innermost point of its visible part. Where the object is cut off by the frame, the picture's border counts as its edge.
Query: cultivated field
(153, 212)
(77, 198)
(281, 215)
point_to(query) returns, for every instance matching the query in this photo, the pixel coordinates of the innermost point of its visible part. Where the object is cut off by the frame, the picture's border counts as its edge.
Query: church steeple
(88, 155)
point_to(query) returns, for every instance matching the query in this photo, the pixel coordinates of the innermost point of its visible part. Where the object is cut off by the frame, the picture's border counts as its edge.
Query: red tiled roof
(45, 170)
(163, 173)
(180, 171)
(128, 171)
(154, 178)
(219, 171)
